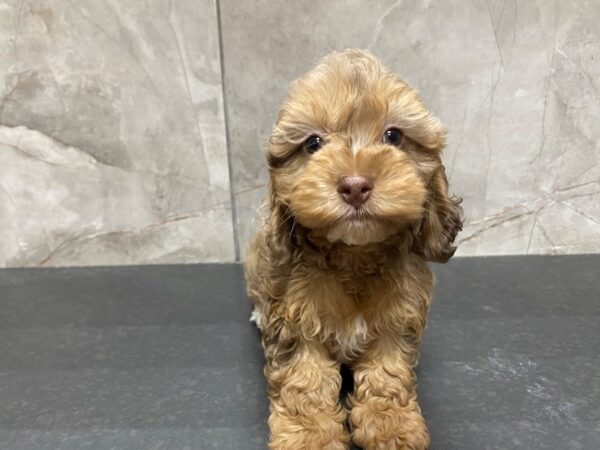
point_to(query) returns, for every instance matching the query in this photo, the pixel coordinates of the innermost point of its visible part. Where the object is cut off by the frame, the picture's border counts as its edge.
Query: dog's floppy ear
(441, 221)
(280, 225)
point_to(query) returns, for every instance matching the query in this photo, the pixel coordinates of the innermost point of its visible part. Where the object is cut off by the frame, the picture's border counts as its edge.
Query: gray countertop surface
(164, 357)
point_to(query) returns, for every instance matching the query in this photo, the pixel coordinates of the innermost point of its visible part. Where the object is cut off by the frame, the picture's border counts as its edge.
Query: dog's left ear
(442, 221)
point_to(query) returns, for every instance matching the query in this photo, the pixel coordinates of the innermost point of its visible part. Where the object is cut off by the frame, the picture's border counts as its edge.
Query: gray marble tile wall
(112, 133)
(113, 142)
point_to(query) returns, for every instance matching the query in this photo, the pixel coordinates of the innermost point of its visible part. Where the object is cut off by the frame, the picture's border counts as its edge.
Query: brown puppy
(358, 202)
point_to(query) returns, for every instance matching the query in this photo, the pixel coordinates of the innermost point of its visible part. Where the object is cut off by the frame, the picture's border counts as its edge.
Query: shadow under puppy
(358, 203)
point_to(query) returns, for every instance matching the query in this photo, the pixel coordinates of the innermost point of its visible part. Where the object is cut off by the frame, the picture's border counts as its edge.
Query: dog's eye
(312, 144)
(394, 137)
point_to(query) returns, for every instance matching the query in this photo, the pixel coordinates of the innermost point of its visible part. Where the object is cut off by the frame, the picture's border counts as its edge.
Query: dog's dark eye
(313, 143)
(394, 137)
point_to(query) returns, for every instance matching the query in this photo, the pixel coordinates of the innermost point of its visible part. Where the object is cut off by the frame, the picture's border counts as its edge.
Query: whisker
(292, 229)
(290, 215)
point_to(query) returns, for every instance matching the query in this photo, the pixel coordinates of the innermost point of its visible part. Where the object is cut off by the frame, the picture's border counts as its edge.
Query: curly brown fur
(332, 282)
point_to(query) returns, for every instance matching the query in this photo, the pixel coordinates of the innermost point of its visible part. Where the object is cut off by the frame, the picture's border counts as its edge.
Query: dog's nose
(355, 189)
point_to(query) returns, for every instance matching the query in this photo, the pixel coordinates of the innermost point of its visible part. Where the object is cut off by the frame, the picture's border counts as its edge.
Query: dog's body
(338, 272)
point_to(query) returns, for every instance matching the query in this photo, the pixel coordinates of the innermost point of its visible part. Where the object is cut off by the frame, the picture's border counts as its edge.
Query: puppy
(358, 203)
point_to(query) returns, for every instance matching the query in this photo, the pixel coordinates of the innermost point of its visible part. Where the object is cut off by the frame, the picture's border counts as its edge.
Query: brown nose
(355, 189)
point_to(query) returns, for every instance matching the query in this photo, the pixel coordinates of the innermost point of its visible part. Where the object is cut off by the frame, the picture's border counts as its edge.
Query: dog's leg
(304, 394)
(385, 413)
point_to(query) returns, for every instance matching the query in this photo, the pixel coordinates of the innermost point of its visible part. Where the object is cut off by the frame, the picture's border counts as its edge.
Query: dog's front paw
(382, 425)
(319, 432)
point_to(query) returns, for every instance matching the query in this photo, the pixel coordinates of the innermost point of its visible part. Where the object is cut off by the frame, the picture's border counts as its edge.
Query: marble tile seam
(233, 200)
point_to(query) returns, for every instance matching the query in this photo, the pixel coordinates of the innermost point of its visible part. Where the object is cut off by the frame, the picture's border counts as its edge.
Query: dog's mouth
(358, 215)
(358, 227)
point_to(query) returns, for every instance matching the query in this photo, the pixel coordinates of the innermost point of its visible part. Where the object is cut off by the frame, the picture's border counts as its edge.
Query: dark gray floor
(163, 357)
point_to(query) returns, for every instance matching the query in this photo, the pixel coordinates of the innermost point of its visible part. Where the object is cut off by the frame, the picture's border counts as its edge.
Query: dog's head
(355, 158)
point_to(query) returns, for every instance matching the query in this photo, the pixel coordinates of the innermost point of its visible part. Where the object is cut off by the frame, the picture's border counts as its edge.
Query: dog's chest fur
(348, 296)
(347, 341)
